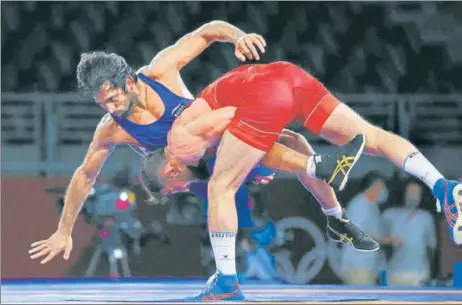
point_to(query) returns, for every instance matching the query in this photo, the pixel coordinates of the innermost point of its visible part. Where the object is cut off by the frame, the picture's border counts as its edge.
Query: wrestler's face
(116, 100)
(175, 177)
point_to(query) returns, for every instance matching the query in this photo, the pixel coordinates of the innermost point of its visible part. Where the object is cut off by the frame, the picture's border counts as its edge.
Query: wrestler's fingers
(249, 43)
(41, 253)
(261, 39)
(244, 49)
(49, 257)
(67, 251)
(38, 248)
(259, 44)
(239, 55)
(38, 243)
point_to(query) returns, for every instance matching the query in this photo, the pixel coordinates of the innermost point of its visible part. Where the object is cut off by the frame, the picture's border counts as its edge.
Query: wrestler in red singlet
(268, 97)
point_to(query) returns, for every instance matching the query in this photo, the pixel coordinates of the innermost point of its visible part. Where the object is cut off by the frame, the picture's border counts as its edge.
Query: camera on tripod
(111, 208)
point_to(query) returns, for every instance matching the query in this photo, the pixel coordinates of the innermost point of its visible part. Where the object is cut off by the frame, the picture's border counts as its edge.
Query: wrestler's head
(109, 80)
(162, 175)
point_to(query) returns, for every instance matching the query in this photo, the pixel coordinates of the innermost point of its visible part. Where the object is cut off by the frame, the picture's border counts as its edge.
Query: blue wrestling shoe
(219, 287)
(449, 195)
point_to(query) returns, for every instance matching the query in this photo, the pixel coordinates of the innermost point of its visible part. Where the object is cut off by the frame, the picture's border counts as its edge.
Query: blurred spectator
(360, 268)
(410, 261)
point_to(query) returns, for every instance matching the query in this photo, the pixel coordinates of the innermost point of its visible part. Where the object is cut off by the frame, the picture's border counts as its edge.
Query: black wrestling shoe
(344, 231)
(334, 167)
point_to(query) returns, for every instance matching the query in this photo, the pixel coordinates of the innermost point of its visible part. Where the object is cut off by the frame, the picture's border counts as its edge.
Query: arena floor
(151, 292)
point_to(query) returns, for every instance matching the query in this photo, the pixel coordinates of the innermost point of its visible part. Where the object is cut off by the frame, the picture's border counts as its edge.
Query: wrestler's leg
(338, 227)
(326, 116)
(235, 159)
(344, 123)
(298, 160)
(323, 193)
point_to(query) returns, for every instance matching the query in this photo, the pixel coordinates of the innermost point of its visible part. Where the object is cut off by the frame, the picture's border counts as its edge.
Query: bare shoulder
(106, 131)
(144, 70)
(170, 78)
(151, 72)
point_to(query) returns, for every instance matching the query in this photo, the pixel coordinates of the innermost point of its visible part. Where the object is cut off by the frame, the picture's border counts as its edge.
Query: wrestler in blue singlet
(154, 135)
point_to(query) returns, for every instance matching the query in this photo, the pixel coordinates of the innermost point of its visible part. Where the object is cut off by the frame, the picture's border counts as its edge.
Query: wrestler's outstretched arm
(77, 192)
(191, 45)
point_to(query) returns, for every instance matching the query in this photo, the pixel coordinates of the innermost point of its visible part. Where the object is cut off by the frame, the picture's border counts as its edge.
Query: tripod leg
(125, 266)
(94, 261)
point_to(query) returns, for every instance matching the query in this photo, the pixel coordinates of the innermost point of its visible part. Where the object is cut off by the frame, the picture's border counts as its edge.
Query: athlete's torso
(154, 135)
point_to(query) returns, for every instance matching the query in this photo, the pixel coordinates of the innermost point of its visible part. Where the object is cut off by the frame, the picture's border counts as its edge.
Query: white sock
(336, 212)
(224, 250)
(311, 167)
(418, 166)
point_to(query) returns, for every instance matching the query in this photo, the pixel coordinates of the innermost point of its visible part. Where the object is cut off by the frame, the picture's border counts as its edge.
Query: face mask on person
(383, 196)
(413, 196)
(412, 201)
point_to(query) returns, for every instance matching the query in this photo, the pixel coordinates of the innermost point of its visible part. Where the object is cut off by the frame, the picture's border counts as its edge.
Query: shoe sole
(359, 250)
(457, 229)
(358, 154)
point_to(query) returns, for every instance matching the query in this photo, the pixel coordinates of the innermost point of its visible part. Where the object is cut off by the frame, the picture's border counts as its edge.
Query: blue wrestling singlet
(154, 135)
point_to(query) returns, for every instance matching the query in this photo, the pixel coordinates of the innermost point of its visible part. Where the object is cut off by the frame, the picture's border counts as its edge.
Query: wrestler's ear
(130, 84)
(170, 171)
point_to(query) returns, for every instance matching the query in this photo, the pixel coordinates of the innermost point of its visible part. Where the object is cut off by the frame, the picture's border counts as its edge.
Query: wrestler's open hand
(51, 247)
(246, 46)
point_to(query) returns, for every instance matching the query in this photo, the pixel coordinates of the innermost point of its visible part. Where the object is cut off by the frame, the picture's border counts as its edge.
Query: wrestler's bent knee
(374, 136)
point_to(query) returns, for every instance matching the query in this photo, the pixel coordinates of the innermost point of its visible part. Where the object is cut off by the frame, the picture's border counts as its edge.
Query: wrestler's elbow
(213, 31)
(87, 175)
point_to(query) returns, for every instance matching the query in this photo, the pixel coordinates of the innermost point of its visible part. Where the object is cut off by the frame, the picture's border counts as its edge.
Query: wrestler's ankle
(420, 167)
(336, 211)
(224, 250)
(311, 167)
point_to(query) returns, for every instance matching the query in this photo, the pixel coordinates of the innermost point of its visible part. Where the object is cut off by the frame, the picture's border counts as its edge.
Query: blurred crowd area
(351, 46)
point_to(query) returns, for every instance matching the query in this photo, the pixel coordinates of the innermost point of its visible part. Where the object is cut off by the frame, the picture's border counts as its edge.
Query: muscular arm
(193, 132)
(84, 177)
(188, 47)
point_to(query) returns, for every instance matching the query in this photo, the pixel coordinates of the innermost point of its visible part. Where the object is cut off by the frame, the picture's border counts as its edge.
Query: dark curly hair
(95, 68)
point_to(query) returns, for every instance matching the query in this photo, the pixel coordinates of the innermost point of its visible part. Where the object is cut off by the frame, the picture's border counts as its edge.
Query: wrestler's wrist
(237, 37)
(64, 229)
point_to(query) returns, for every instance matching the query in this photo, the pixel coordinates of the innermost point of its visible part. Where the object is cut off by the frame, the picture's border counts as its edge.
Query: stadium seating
(353, 47)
